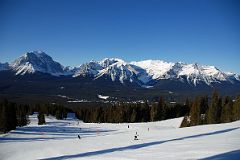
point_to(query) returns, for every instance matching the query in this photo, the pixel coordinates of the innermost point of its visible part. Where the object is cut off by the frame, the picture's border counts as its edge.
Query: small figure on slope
(79, 137)
(136, 136)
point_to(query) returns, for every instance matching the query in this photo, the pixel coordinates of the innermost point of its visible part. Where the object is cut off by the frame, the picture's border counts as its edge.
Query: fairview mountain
(112, 73)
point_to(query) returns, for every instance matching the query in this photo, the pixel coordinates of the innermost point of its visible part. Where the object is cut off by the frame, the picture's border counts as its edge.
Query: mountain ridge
(140, 72)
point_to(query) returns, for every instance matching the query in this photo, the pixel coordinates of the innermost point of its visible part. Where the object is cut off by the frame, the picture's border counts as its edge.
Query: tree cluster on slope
(220, 110)
(12, 115)
(41, 118)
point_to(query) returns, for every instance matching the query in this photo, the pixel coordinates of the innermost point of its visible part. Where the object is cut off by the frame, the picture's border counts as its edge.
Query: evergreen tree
(7, 116)
(204, 105)
(214, 111)
(187, 103)
(158, 111)
(153, 112)
(22, 115)
(226, 115)
(161, 109)
(41, 118)
(59, 114)
(65, 113)
(195, 112)
(133, 116)
(236, 109)
(145, 109)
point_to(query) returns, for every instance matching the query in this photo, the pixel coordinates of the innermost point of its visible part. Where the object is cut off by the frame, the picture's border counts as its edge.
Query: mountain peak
(36, 61)
(109, 61)
(36, 54)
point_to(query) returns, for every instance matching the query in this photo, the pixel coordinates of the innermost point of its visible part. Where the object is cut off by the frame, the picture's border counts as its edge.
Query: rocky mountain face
(36, 61)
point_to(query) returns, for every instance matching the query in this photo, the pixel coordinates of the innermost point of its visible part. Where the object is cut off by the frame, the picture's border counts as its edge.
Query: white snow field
(58, 140)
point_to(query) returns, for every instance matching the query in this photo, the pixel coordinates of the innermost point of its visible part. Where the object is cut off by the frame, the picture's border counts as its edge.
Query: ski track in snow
(164, 140)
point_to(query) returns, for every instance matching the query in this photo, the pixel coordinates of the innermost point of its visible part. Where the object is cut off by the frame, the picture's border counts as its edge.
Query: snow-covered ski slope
(164, 140)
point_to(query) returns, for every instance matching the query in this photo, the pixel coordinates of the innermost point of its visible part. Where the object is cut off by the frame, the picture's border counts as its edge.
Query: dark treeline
(131, 112)
(200, 110)
(13, 114)
(59, 111)
(219, 110)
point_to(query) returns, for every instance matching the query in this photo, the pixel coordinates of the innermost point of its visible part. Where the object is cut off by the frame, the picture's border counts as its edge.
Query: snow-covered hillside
(58, 139)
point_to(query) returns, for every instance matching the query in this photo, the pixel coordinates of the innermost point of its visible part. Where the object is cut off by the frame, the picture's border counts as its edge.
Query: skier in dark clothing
(79, 137)
(136, 136)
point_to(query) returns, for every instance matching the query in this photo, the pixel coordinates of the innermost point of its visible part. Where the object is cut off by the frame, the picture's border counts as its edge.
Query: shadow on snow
(12, 139)
(45, 131)
(138, 146)
(233, 155)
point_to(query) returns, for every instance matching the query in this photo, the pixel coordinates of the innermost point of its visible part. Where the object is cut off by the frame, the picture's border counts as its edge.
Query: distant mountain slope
(4, 66)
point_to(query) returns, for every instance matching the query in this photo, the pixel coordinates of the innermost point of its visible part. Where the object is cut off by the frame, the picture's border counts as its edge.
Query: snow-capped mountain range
(141, 72)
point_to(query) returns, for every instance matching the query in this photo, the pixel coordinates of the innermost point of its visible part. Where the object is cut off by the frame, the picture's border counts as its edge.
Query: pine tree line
(201, 110)
(59, 111)
(219, 110)
(131, 112)
(12, 115)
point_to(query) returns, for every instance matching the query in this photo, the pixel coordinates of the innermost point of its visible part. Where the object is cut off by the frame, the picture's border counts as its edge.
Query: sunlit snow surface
(164, 140)
(155, 68)
(102, 97)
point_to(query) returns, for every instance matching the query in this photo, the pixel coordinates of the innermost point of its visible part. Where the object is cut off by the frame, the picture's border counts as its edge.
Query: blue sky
(76, 31)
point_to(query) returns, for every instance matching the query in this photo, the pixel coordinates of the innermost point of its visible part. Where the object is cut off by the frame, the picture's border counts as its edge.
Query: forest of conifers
(200, 110)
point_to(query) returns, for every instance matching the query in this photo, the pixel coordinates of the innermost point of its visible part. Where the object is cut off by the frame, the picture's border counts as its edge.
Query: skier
(136, 136)
(128, 126)
(79, 137)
